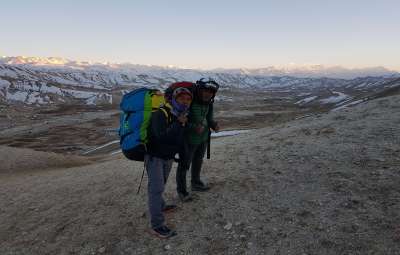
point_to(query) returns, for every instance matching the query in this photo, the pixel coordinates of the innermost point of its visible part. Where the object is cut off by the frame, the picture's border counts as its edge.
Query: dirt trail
(327, 184)
(18, 160)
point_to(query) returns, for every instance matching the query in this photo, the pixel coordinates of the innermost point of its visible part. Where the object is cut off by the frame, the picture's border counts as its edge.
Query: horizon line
(291, 64)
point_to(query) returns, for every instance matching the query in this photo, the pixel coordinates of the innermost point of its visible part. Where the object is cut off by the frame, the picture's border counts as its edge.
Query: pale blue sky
(206, 34)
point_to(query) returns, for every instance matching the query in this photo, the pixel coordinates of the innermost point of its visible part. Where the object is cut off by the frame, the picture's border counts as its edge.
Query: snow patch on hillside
(4, 83)
(306, 100)
(230, 133)
(338, 97)
(17, 96)
(349, 104)
(223, 98)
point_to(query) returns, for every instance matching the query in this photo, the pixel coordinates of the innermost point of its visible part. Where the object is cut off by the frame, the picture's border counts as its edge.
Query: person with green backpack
(166, 134)
(197, 137)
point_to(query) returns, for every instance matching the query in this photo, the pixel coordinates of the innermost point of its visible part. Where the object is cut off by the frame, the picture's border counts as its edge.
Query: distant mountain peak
(18, 60)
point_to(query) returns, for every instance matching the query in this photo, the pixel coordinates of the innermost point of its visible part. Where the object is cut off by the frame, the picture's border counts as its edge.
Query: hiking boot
(185, 197)
(163, 232)
(169, 208)
(200, 186)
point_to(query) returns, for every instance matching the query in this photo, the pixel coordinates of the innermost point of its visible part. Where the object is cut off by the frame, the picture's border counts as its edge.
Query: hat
(179, 91)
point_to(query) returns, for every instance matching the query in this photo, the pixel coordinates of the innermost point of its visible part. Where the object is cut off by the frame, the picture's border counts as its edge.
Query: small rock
(167, 247)
(242, 236)
(228, 226)
(238, 223)
(396, 236)
(326, 130)
(102, 250)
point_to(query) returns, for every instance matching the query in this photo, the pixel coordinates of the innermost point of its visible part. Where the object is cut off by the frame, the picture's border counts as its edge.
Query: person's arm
(162, 132)
(197, 122)
(210, 118)
(191, 124)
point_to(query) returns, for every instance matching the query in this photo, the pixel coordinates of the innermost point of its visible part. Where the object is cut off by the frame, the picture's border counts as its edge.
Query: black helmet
(207, 84)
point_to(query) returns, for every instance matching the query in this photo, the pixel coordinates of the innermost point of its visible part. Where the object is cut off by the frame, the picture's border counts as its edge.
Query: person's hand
(216, 128)
(183, 119)
(199, 129)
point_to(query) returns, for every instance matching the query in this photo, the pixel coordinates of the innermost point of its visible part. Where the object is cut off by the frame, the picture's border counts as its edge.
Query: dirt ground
(326, 184)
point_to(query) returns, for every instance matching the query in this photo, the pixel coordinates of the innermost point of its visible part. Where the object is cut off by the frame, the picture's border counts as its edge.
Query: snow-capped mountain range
(294, 70)
(314, 71)
(33, 80)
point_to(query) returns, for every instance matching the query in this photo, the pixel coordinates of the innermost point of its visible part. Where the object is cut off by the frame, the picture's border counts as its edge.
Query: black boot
(199, 186)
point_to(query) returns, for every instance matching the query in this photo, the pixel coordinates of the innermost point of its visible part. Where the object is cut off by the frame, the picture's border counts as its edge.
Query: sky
(206, 34)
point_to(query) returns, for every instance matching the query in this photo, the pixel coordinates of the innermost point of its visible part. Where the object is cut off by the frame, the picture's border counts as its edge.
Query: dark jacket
(166, 136)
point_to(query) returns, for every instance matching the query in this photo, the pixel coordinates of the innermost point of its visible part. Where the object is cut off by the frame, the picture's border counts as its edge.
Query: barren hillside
(326, 184)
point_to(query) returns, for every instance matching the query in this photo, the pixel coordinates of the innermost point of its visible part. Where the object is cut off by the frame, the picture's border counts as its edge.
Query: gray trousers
(157, 171)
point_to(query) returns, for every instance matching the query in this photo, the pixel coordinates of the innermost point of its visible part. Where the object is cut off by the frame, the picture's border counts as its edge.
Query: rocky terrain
(324, 183)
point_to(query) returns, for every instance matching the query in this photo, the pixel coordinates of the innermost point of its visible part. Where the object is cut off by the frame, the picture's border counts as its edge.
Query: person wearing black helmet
(197, 136)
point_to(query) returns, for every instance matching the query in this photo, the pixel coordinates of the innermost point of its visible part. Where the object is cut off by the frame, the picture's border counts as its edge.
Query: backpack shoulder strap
(167, 112)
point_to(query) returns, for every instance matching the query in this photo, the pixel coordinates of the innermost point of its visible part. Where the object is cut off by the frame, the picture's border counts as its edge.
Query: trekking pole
(141, 179)
(209, 144)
